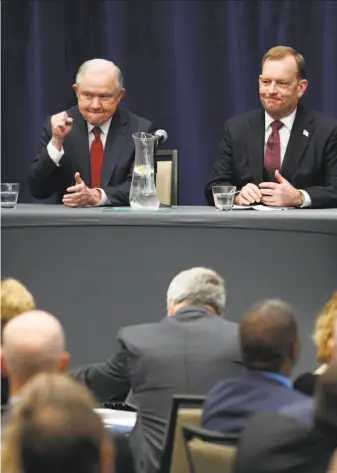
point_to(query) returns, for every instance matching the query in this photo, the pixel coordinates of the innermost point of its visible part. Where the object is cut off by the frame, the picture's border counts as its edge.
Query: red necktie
(96, 158)
(272, 155)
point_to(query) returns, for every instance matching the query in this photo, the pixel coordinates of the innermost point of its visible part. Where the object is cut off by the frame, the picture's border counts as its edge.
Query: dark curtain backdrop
(188, 65)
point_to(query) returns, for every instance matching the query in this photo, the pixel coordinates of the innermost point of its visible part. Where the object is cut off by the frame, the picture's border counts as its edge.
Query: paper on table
(265, 207)
(242, 207)
(259, 207)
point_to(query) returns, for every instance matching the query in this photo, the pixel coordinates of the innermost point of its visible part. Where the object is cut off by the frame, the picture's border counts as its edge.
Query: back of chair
(184, 409)
(167, 176)
(179, 462)
(207, 451)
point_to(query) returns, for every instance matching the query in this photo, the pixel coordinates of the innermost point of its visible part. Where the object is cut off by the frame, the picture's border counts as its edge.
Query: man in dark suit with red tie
(281, 155)
(86, 154)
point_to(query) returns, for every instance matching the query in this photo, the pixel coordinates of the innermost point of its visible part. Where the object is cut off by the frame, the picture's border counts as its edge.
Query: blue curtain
(188, 65)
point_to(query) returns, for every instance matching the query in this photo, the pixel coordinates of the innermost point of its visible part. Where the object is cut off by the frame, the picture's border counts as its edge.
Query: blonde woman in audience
(54, 429)
(15, 299)
(323, 339)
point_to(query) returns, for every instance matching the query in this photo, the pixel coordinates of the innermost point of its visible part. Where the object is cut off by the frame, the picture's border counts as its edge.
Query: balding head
(269, 337)
(32, 343)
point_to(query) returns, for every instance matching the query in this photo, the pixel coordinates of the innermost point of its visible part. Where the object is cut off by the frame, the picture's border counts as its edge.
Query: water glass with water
(9, 194)
(223, 197)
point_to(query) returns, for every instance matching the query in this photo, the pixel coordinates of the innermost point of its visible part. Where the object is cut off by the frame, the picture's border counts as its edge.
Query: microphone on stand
(161, 136)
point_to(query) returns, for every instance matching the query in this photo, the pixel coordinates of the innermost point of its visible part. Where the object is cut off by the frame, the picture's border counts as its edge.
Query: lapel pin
(305, 132)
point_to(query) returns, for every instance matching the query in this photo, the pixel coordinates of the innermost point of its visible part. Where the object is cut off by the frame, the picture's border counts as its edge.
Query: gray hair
(32, 343)
(99, 66)
(198, 286)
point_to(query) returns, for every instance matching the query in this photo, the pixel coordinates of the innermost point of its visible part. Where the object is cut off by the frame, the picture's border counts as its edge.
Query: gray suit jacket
(184, 354)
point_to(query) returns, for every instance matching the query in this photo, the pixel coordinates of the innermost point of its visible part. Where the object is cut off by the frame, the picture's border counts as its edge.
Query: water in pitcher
(144, 195)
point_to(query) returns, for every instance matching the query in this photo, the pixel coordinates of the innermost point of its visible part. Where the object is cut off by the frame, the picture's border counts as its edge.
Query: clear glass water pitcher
(143, 194)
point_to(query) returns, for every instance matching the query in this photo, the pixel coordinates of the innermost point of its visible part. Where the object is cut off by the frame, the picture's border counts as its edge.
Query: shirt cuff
(55, 154)
(104, 200)
(306, 199)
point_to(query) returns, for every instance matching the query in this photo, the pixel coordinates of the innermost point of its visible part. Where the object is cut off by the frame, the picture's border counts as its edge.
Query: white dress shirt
(284, 133)
(56, 155)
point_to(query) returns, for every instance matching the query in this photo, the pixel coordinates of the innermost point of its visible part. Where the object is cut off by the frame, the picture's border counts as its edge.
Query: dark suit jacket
(285, 442)
(45, 178)
(231, 402)
(310, 162)
(184, 354)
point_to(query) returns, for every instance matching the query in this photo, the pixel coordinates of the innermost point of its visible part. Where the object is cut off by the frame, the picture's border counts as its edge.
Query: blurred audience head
(15, 299)
(54, 429)
(33, 342)
(269, 337)
(198, 287)
(323, 334)
(325, 412)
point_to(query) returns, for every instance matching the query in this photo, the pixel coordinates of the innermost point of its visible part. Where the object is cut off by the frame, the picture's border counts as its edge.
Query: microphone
(161, 136)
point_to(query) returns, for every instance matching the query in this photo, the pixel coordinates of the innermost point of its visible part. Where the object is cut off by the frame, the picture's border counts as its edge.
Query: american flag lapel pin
(305, 133)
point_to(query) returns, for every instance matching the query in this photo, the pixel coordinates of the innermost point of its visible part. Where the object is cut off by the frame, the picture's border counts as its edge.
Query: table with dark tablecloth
(99, 269)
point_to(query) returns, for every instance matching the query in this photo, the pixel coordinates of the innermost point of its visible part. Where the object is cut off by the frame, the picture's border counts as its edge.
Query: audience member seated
(15, 299)
(33, 342)
(322, 339)
(270, 348)
(299, 438)
(53, 428)
(185, 353)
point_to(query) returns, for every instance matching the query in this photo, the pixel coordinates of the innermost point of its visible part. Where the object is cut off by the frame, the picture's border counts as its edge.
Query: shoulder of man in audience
(301, 411)
(131, 330)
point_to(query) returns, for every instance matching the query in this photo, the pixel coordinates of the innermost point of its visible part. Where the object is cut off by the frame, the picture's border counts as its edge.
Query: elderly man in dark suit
(269, 348)
(281, 155)
(185, 353)
(86, 154)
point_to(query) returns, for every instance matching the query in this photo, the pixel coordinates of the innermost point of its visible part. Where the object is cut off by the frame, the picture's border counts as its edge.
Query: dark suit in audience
(231, 402)
(269, 347)
(300, 438)
(282, 443)
(185, 353)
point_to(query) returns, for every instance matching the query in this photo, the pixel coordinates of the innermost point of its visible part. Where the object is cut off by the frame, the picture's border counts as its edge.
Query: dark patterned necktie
(96, 158)
(272, 155)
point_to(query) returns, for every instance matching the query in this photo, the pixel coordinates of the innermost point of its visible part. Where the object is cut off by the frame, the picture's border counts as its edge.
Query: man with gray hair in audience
(86, 154)
(185, 353)
(32, 343)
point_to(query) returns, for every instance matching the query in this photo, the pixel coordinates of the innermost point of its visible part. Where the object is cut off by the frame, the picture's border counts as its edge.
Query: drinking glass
(223, 197)
(9, 194)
